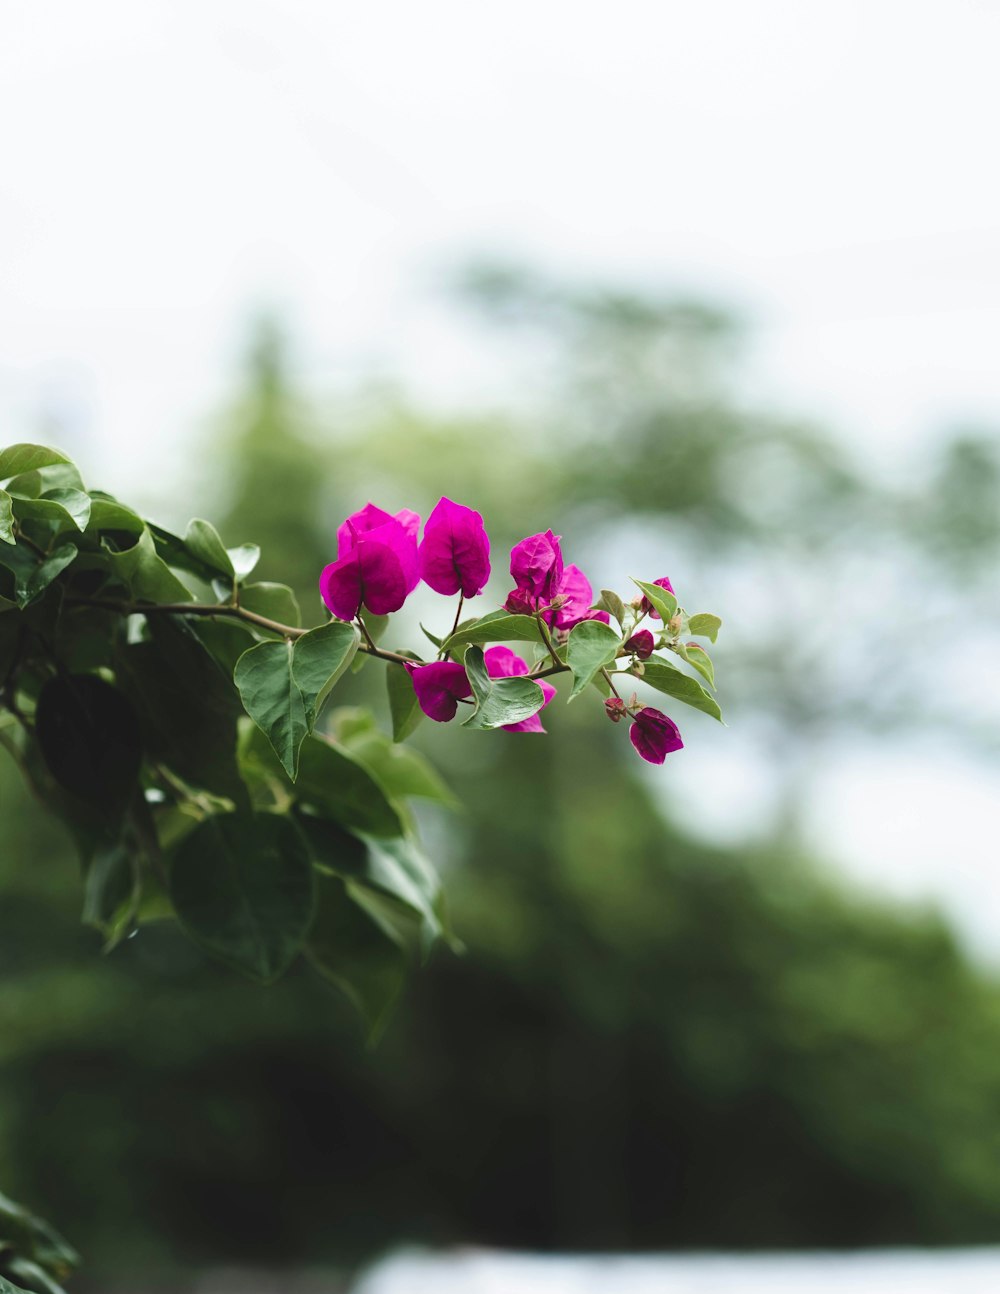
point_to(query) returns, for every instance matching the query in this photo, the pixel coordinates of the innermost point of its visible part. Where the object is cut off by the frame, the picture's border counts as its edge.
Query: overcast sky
(830, 169)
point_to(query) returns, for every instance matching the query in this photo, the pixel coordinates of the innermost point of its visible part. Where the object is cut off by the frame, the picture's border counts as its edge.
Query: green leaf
(202, 539)
(667, 678)
(499, 700)
(699, 658)
(89, 737)
(187, 706)
(338, 784)
(66, 507)
(107, 513)
(663, 602)
(36, 1279)
(112, 892)
(7, 1288)
(362, 955)
(273, 601)
(498, 626)
(33, 574)
(243, 559)
(144, 573)
(403, 772)
(175, 552)
(282, 684)
(610, 601)
(592, 647)
(27, 458)
(29, 1235)
(403, 706)
(6, 519)
(705, 625)
(431, 637)
(397, 869)
(243, 886)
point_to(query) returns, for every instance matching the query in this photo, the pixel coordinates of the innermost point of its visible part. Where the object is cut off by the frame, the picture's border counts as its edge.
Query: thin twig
(216, 611)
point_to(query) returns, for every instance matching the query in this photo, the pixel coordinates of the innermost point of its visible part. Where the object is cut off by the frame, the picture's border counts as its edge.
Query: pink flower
(654, 735)
(376, 566)
(562, 594)
(501, 662)
(439, 688)
(455, 553)
(442, 684)
(536, 564)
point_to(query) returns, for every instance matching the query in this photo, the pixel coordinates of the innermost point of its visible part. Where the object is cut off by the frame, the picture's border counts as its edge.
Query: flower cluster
(381, 558)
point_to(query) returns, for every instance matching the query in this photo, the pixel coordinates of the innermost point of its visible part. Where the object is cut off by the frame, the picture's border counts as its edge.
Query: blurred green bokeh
(651, 1042)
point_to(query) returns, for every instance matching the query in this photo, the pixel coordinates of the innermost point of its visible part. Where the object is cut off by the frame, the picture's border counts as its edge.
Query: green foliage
(496, 627)
(663, 602)
(499, 701)
(705, 625)
(132, 661)
(31, 1252)
(283, 684)
(592, 647)
(669, 679)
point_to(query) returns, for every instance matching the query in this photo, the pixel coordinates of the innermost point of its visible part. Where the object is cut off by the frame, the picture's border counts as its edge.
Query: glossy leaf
(144, 573)
(705, 625)
(361, 955)
(395, 869)
(497, 627)
(66, 507)
(27, 458)
(243, 886)
(7, 1288)
(592, 646)
(501, 700)
(663, 602)
(403, 705)
(282, 684)
(33, 574)
(107, 513)
(6, 519)
(202, 539)
(338, 784)
(243, 558)
(667, 678)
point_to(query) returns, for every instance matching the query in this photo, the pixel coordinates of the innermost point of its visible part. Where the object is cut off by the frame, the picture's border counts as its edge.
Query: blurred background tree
(651, 1041)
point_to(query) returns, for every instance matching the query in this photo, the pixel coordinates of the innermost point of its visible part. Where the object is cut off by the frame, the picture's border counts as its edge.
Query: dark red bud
(641, 644)
(615, 709)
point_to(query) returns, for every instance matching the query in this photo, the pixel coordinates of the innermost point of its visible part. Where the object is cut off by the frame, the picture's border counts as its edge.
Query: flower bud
(641, 644)
(614, 708)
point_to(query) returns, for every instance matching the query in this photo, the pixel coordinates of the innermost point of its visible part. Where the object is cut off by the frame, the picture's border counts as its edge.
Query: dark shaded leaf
(243, 886)
(360, 954)
(89, 738)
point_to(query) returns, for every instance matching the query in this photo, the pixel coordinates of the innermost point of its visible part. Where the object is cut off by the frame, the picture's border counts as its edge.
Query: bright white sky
(167, 166)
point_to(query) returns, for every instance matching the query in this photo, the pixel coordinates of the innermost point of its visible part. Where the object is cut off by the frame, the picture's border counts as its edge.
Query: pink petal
(455, 553)
(439, 687)
(654, 735)
(536, 564)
